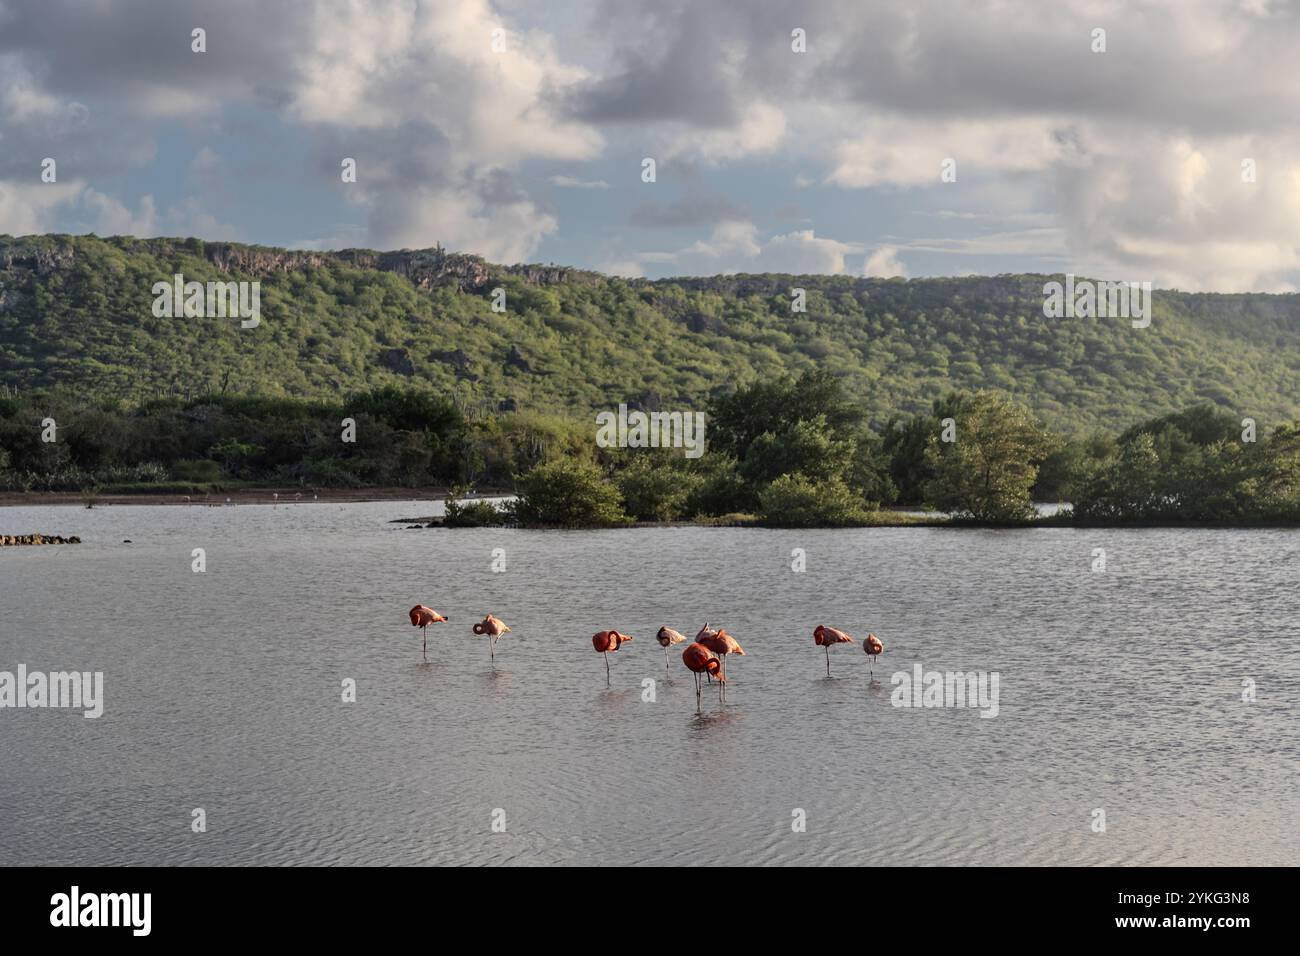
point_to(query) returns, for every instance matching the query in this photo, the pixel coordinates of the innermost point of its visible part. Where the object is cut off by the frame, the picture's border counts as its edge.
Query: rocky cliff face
(424, 268)
(40, 259)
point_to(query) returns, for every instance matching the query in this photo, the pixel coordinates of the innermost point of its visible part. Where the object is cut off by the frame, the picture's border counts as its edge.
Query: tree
(987, 471)
(1123, 488)
(736, 421)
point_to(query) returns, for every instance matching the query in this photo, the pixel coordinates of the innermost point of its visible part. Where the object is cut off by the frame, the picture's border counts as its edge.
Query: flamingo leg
(828, 660)
(665, 659)
(606, 655)
(697, 693)
(424, 650)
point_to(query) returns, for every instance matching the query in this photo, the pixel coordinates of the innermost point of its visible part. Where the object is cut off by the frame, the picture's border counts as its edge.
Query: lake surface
(1119, 690)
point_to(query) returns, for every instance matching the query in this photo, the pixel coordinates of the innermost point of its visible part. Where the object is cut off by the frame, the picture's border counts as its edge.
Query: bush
(471, 514)
(795, 501)
(657, 491)
(721, 491)
(568, 494)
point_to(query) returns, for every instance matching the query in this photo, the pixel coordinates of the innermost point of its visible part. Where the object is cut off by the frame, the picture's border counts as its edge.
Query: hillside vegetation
(75, 315)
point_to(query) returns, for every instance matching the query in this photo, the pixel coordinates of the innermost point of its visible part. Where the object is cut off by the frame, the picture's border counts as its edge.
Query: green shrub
(472, 514)
(568, 494)
(657, 491)
(796, 501)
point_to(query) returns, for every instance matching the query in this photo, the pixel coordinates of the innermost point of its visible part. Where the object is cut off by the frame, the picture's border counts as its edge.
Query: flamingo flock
(705, 656)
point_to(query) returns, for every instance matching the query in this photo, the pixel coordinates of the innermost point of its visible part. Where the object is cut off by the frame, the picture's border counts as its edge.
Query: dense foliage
(789, 453)
(76, 312)
(1200, 465)
(393, 369)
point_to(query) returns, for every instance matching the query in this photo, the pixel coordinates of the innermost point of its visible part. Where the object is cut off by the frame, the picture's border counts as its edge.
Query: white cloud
(112, 218)
(626, 268)
(569, 182)
(905, 152)
(760, 131)
(390, 63)
(1133, 155)
(505, 231)
(738, 247)
(31, 207)
(884, 263)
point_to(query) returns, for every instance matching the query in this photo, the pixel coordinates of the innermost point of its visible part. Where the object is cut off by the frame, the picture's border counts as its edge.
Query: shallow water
(1119, 690)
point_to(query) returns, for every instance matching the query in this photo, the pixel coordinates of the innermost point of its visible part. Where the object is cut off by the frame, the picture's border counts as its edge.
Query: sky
(786, 136)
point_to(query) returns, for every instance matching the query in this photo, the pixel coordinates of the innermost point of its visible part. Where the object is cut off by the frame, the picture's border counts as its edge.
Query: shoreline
(239, 496)
(901, 517)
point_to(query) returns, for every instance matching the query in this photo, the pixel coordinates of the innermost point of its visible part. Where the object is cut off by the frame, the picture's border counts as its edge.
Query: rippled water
(1119, 690)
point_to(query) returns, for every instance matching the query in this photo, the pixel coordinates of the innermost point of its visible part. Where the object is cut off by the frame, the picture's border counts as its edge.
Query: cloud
(436, 117)
(30, 207)
(112, 218)
(738, 247)
(485, 215)
(569, 182)
(884, 263)
(1132, 156)
(902, 152)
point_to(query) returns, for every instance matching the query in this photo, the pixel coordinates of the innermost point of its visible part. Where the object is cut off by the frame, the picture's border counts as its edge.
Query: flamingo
(873, 647)
(494, 627)
(667, 637)
(422, 617)
(606, 641)
(700, 660)
(825, 637)
(722, 644)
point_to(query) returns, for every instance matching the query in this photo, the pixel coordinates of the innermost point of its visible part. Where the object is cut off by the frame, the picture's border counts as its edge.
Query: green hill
(75, 313)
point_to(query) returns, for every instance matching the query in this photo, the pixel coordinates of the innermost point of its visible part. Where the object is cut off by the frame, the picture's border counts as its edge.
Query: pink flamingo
(721, 643)
(871, 644)
(700, 660)
(422, 617)
(825, 637)
(494, 627)
(667, 637)
(606, 641)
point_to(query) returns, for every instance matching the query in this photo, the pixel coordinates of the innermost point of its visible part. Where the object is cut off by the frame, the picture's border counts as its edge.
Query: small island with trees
(793, 452)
